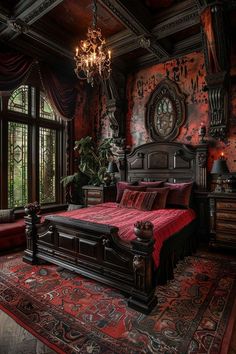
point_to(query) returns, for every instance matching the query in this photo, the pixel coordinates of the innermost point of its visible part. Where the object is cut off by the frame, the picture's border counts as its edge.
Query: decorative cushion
(121, 186)
(151, 184)
(6, 215)
(138, 200)
(179, 194)
(160, 201)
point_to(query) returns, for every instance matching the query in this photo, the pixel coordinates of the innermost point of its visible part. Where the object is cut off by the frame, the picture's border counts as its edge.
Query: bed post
(31, 221)
(143, 297)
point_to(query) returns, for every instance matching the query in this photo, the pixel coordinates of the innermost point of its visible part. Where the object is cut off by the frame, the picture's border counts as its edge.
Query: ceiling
(138, 32)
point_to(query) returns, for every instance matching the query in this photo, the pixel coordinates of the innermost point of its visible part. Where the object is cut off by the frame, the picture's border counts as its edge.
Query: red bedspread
(166, 221)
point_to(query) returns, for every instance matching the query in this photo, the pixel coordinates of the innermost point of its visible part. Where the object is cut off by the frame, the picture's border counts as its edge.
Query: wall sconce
(112, 169)
(220, 168)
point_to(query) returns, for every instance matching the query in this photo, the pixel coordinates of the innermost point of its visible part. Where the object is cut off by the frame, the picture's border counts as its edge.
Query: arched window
(32, 143)
(165, 111)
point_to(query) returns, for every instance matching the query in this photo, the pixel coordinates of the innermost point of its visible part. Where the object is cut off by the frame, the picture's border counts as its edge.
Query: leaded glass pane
(17, 164)
(47, 165)
(45, 110)
(18, 102)
(164, 117)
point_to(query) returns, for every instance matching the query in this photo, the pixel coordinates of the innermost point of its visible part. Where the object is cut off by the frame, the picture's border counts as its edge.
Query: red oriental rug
(72, 314)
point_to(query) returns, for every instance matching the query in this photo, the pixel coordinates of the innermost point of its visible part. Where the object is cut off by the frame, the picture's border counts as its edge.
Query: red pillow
(151, 184)
(160, 201)
(121, 186)
(179, 194)
(138, 200)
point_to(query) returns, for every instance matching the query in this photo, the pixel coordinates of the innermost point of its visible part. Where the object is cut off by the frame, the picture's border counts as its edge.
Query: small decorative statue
(143, 230)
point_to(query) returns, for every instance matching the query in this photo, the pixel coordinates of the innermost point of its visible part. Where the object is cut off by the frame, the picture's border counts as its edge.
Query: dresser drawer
(224, 237)
(226, 216)
(225, 205)
(221, 225)
(94, 194)
(93, 201)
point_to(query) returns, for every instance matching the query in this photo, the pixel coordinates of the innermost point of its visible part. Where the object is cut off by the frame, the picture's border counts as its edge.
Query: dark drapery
(14, 71)
(61, 94)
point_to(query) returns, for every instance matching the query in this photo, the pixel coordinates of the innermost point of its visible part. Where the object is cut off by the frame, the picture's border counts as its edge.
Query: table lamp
(220, 168)
(112, 169)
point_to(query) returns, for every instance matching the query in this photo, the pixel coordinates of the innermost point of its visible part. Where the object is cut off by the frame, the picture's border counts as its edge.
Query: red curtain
(14, 70)
(206, 19)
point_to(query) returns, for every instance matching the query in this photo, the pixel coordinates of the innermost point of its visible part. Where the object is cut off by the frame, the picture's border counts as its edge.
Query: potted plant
(93, 162)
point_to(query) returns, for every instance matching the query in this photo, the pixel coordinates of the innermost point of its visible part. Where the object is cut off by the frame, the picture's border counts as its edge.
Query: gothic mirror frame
(165, 111)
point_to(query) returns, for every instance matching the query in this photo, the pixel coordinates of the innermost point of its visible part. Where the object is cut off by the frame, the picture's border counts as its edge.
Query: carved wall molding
(216, 54)
(165, 111)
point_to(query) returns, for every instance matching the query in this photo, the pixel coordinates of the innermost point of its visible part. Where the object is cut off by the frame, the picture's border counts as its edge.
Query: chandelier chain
(93, 60)
(95, 14)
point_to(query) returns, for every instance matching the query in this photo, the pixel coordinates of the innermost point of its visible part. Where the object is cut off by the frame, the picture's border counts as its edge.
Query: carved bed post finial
(143, 298)
(31, 220)
(201, 167)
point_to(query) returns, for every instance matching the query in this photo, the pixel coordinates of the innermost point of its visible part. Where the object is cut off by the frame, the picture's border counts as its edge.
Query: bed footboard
(95, 251)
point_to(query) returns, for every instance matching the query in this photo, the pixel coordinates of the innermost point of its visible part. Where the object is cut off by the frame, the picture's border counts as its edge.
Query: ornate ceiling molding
(123, 14)
(176, 24)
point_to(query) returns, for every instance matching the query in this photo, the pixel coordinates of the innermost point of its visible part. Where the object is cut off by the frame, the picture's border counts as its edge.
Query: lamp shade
(219, 167)
(112, 167)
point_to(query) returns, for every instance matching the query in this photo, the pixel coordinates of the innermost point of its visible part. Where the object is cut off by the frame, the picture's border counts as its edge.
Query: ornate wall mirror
(165, 111)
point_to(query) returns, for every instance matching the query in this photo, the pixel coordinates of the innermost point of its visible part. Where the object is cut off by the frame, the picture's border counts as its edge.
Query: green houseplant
(93, 162)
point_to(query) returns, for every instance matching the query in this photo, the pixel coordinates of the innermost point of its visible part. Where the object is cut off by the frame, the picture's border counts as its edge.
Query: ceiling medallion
(93, 61)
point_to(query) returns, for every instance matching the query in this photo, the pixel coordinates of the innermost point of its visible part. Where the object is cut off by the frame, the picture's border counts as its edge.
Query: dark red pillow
(179, 194)
(121, 186)
(160, 201)
(138, 200)
(151, 184)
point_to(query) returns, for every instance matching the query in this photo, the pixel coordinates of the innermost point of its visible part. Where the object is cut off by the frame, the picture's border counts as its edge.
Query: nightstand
(223, 220)
(98, 194)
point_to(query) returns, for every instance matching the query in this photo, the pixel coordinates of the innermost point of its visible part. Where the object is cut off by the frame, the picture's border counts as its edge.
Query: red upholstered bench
(12, 234)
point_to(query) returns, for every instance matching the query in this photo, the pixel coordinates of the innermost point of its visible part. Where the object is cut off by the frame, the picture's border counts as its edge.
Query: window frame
(34, 123)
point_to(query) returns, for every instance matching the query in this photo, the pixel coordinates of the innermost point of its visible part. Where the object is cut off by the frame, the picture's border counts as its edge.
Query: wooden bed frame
(95, 250)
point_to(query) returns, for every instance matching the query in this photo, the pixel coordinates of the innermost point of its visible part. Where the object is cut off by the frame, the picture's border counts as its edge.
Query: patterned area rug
(72, 314)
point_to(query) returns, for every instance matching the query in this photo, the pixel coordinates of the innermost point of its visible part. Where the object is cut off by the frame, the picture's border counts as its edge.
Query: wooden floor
(14, 339)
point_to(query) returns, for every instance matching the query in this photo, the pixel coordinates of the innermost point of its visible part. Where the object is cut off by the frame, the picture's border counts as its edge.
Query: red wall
(189, 73)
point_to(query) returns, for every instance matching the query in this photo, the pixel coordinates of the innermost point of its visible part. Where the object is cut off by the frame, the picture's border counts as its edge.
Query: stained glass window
(17, 164)
(164, 117)
(18, 102)
(46, 110)
(32, 136)
(47, 165)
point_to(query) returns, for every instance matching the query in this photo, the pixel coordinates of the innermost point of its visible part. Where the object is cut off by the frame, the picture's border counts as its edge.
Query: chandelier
(93, 61)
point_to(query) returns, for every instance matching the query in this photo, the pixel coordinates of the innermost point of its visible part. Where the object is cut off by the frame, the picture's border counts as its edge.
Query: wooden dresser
(223, 220)
(98, 194)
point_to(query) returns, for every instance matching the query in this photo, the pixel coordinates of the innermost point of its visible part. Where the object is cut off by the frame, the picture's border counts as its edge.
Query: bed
(82, 242)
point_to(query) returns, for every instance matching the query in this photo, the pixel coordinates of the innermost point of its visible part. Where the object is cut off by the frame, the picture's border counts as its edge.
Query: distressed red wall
(189, 73)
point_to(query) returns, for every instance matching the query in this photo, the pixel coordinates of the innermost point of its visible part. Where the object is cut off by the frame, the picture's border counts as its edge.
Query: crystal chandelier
(92, 60)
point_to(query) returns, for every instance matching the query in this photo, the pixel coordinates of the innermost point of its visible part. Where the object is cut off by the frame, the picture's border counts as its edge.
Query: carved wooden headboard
(174, 162)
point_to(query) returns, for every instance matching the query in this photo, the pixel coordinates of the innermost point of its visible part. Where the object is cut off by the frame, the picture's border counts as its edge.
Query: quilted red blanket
(166, 221)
